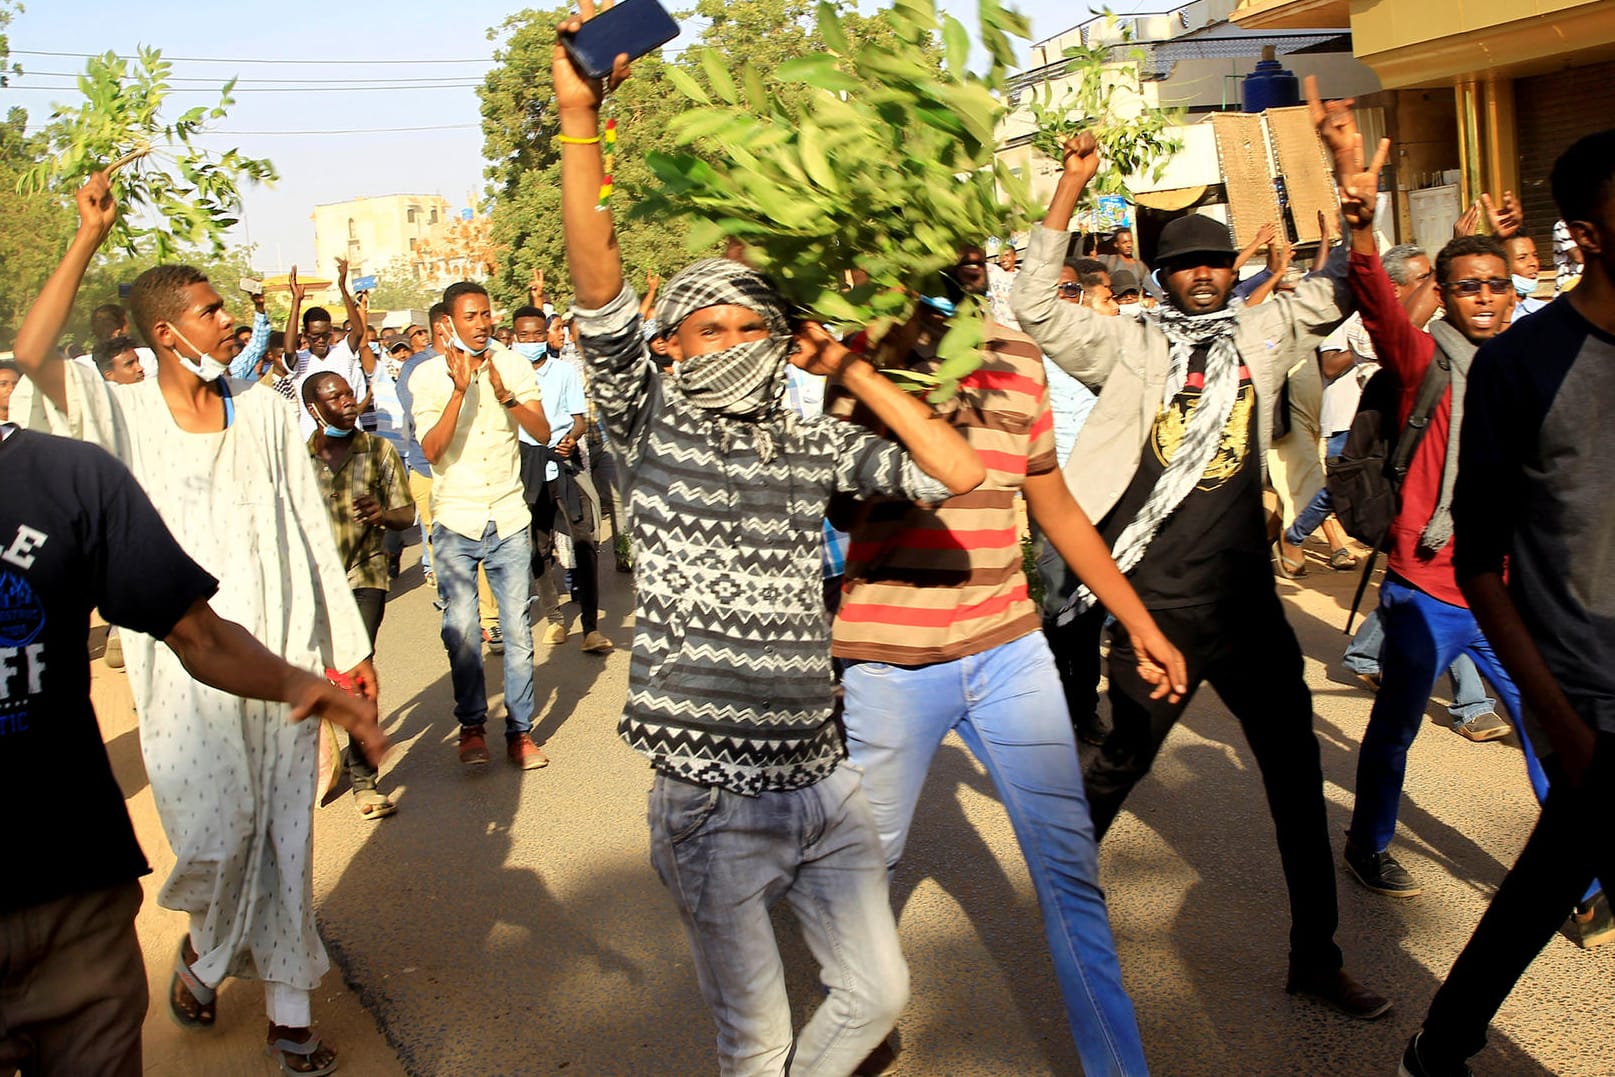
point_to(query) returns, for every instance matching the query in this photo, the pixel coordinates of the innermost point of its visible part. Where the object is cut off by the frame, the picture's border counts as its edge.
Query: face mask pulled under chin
(1523, 286)
(204, 365)
(463, 346)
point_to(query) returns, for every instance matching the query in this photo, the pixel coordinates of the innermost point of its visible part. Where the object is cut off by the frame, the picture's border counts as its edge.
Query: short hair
(1582, 176)
(529, 311)
(1462, 246)
(107, 320)
(1518, 237)
(1396, 261)
(107, 350)
(315, 314)
(242, 329)
(7, 364)
(1091, 272)
(438, 312)
(158, 295)
(453, 292)
(277, 339)
(312, 383)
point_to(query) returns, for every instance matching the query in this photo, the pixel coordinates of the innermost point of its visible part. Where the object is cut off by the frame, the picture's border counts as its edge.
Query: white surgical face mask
(463, 346)
(531, 350)
(203, 366)
(1523, 286)
(1130, 310)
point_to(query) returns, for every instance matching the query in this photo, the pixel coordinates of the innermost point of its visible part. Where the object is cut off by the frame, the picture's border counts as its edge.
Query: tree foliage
(519, 129)
(398, 288)
(871, 158)
(34, 230)
(101, 281)
(1133, 138)
(174, 193)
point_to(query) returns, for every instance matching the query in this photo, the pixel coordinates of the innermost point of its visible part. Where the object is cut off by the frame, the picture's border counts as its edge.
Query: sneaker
(1339, 990)
(596, 643)
(494, 638)
(555, 634)
(1413, 1065)
(1370, 680)
(1483, 727)
(524, 753)
(1381, 873)
(395, 563)
(1591, 924)
(473, 744)
(114, 649)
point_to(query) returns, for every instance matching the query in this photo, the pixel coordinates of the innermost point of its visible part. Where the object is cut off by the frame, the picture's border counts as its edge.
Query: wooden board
(1247, 172)
(1307, 170)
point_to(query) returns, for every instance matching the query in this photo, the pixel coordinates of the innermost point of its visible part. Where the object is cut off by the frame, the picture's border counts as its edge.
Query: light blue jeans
(506, 563)
(726, 858)
(1007, 706)
(1469, 698)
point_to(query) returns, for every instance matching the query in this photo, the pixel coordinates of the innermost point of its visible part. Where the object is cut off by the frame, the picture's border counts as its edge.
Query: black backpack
(1365, 480)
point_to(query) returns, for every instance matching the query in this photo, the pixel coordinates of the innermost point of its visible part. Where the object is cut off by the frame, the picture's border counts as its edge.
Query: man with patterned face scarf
(730, 689)
(1169, 466)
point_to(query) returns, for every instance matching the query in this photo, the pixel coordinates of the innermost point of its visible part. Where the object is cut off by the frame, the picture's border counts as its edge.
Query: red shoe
(524, 753)
(473, 744)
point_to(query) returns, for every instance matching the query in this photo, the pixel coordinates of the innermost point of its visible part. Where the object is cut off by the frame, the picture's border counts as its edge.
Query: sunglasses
(1069, 289)
(1471, 286)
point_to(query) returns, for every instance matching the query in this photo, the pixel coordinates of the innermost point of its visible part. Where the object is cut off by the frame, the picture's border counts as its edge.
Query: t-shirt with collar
(478, 478)
(562, 388)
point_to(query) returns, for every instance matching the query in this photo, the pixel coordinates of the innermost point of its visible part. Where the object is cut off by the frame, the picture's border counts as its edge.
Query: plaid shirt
(372, 467)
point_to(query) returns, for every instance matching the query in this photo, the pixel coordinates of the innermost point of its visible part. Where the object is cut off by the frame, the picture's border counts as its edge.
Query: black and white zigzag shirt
(730, 680)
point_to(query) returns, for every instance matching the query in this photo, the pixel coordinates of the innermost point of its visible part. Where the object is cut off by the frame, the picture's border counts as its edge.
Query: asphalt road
(510, 923)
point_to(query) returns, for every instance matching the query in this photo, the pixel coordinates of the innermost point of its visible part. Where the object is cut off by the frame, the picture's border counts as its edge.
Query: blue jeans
(1423, 635)
(726, 858)
(1469, 698)
(1318, 509)
(506, 563)
(1007, 706)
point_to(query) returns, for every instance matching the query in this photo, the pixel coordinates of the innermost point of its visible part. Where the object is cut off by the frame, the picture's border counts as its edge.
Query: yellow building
(373, 233)
(1480, 95)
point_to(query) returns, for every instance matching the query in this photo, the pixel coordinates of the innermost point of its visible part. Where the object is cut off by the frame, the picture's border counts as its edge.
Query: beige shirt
(478, 477)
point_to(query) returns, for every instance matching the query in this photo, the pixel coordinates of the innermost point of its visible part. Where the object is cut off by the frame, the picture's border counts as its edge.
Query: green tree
(34, 230)
(398, 288)
(101, 282)
(174, 194)
(1107, 96)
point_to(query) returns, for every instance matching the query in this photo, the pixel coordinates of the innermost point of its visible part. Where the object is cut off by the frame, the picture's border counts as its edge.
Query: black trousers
(372, 603)
(1076, 656)
(1245, 648)
(550, 516)
(1570, 845)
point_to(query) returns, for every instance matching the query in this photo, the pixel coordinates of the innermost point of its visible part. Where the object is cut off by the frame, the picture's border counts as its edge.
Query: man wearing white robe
(233, 779)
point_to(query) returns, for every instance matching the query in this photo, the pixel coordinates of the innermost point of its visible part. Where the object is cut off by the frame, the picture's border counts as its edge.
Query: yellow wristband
(570, 141)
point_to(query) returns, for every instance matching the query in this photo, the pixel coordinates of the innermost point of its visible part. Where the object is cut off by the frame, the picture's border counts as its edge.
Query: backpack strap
(1437, 377)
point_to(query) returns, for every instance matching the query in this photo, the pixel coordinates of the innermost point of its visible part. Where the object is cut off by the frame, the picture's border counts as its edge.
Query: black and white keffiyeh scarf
(747, 381)
(1185, 333)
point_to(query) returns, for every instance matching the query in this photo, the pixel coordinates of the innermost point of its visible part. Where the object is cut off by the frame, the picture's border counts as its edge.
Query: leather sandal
(373, 804)
(310, 1058)
(1342, 559)
(1290, 570)
(204, 997)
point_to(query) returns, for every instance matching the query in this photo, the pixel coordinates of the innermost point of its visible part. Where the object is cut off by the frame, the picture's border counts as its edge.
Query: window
(414, 243)
(434, 217)
(353, 230)
(412, 214)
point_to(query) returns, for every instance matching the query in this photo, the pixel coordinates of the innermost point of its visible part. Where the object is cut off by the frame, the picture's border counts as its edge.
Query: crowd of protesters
(828, 579)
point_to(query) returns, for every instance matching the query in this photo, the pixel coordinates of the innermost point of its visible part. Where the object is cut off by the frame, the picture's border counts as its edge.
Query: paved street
(509, 924)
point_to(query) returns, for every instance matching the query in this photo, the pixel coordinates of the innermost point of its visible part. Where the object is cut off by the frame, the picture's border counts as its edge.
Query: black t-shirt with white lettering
(76, 533)
(1214, 545)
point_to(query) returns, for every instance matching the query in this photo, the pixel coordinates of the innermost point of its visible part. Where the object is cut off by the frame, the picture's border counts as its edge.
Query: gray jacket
(1125, 361)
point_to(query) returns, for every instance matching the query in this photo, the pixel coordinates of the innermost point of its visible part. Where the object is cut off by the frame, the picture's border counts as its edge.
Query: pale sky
(422, 60)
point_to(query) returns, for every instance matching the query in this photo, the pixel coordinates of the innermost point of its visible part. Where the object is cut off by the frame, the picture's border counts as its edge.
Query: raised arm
(356, 317)
(939, 450)
(1264, 238)
(292, 330)
(246, 364)
(591, 237)
(648, 304)
(42, 327)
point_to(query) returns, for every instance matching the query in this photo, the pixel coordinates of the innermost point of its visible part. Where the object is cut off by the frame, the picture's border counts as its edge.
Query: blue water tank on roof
(1270, 85)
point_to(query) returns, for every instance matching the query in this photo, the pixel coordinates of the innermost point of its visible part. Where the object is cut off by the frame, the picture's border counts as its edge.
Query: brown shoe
(525, 754)
(596, 643)
(473, 744)
(1340, 991)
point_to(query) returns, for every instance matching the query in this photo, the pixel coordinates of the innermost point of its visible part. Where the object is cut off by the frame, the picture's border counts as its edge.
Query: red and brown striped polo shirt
(933, 584)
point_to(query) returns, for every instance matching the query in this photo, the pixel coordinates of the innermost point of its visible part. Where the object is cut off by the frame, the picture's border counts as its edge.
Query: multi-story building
(373, 233)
